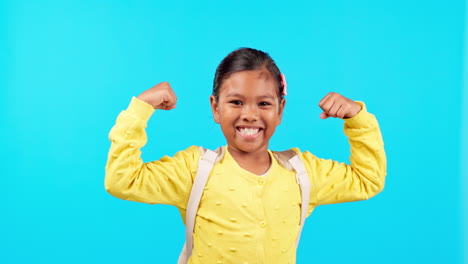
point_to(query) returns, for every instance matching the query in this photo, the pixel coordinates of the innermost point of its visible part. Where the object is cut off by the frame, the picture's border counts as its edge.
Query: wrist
(146, 100)
(140, 108)
(356, 109)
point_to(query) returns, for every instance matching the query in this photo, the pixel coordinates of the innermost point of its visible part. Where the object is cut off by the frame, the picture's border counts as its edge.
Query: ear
(280, 110)
(214, 108)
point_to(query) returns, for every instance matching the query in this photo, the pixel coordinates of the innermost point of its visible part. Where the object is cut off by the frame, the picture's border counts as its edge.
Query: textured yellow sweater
(242, 218)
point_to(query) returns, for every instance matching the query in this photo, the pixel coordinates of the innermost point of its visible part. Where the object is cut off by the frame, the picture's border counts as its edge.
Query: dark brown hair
(245, 59)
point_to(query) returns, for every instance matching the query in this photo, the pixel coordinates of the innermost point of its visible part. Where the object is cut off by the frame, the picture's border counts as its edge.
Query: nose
(249, 113)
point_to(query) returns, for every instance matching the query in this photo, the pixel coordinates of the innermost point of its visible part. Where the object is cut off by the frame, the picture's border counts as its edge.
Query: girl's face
(248, 110)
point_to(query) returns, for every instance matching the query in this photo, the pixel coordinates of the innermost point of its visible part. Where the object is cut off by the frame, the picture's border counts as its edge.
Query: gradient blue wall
(67, 68)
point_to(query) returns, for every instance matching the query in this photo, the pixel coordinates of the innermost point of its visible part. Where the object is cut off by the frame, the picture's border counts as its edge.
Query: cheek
(273, 117)
(226, 117)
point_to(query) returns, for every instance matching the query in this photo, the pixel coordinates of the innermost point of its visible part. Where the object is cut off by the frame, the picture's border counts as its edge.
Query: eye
(235, 102)
(264, 104)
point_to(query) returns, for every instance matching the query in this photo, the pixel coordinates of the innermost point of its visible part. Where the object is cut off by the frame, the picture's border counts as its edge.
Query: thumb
(324, 115)
(166, 106)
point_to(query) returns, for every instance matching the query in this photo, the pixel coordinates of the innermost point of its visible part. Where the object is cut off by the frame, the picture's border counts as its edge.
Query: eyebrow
(267, 97)
(240, 95)
(234, 95)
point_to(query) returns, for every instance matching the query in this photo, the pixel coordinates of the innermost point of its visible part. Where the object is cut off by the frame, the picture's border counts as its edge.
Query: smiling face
(248, 109)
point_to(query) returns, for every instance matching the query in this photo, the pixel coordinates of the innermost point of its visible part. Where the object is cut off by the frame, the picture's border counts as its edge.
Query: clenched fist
(160, 96)
(336, 105)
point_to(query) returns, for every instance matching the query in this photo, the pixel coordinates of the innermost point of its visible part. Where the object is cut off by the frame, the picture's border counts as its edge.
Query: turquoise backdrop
(67, 68)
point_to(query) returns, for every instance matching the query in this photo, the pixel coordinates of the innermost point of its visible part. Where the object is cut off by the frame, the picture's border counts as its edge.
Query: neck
(257, 162)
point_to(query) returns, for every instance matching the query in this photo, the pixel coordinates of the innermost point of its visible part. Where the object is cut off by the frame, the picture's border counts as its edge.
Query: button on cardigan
(242, 217)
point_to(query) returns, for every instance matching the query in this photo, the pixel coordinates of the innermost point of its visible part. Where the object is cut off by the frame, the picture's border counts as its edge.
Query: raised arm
(166, 181)
(364, 177)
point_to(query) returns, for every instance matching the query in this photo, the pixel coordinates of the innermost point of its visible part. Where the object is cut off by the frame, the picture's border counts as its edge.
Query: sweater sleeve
(335, 182)
(165, 181)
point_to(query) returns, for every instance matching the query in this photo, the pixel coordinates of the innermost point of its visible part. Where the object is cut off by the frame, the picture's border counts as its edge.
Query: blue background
(67, 68)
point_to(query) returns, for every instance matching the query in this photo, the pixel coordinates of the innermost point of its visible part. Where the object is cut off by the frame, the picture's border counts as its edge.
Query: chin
(248, 148)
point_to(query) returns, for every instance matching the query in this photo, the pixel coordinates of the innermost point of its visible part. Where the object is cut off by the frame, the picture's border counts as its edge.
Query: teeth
(249, 131)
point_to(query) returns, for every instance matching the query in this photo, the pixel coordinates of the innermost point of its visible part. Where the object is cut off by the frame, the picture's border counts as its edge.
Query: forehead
(255, 82)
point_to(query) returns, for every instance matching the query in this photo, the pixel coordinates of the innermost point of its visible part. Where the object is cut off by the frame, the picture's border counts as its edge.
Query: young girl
(251, 206)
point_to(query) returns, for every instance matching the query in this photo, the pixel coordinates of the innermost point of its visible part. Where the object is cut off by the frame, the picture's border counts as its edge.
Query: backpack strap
(291, 161)
(205, 165)
(288, 159)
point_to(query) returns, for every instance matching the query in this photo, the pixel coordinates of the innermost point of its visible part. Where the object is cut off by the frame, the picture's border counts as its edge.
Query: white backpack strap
(291, 161)
(183, 257)
(205, 165)
(304, 183)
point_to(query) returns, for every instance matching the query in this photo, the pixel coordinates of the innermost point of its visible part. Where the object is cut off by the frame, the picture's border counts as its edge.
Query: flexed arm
(364, 177)
(166, 181)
